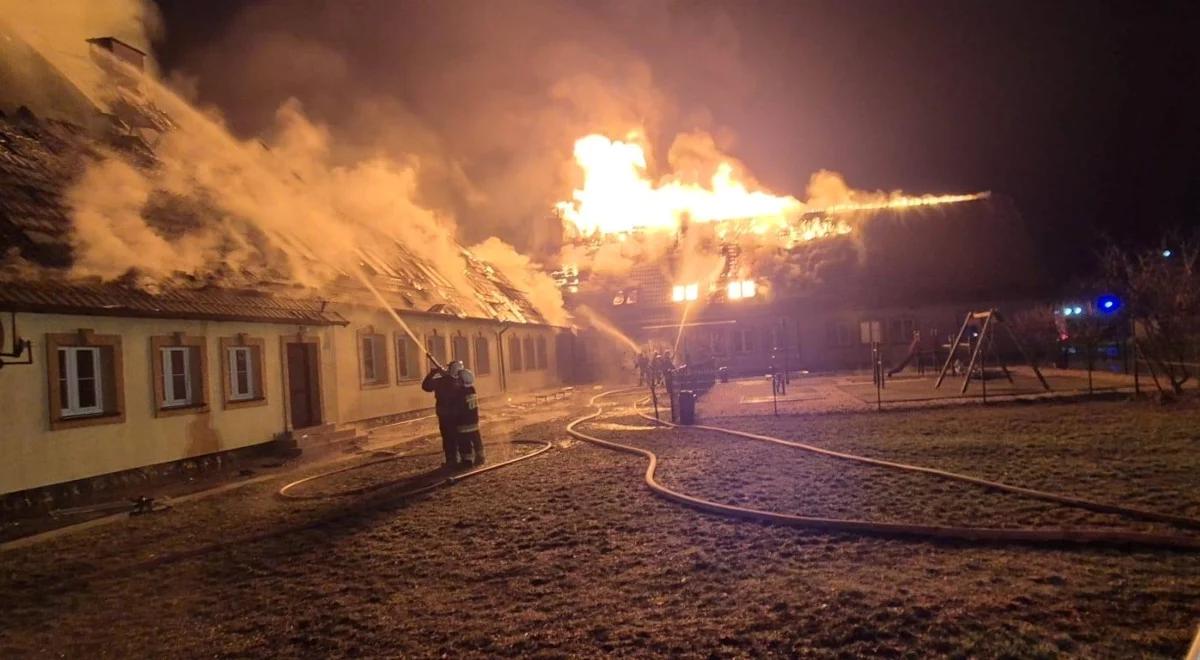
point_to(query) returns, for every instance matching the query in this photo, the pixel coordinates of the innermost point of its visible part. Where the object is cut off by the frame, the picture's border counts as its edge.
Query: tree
(1038, 331)
(1161, 290)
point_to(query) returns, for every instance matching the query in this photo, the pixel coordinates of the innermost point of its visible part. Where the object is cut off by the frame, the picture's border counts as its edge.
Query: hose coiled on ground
(1021, 535)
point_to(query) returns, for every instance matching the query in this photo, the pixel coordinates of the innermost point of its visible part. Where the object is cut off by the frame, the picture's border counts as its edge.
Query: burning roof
(46, 166)
(40, 160)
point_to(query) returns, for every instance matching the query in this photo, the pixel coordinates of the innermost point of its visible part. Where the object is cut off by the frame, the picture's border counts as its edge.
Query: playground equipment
(914, 351)
(983, 343)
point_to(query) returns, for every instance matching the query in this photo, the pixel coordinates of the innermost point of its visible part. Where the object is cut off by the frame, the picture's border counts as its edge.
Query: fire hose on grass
(1020, 535)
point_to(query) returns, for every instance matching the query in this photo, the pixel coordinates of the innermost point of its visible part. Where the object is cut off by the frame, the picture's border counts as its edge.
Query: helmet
(468, 378)
(455, 368)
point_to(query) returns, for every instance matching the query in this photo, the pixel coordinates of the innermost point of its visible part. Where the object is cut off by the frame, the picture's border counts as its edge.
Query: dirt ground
(569, 554)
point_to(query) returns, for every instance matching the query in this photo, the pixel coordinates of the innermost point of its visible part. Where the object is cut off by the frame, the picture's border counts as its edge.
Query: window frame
(170, 398)
(529, 351)
(435, 345)
(515, 360)
(258, 375)
(542, 353)
(466, 346)
(409, 358)
(197, 381)
(483, 365)
(111, 383)
(70, 374)
(743, 341)
(381, 376)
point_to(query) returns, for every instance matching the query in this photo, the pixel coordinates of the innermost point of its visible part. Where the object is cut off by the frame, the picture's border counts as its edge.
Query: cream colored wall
(32, 455)
(356, 402)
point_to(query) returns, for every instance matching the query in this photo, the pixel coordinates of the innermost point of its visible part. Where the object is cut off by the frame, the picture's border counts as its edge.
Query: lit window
(739, 289)
(677, 293)
(692, 292)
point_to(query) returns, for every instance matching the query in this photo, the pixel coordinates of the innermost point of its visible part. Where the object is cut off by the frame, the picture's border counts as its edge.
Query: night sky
(1087, 114)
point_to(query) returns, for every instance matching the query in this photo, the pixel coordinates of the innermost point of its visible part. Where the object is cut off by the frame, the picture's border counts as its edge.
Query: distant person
(642, 364)
(470, 442)
(448, 395)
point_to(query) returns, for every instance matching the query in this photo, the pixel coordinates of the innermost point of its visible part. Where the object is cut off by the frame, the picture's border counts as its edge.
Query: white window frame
(69, 355)
(171, 398)
(234, 394)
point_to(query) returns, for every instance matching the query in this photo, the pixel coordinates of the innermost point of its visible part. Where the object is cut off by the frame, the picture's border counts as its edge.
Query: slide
(913, 347)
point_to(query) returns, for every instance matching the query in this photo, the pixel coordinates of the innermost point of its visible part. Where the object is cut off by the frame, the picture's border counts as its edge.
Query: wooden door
(303, 394)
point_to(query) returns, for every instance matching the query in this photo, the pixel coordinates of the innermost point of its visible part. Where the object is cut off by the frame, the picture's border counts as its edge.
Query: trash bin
(723, 372)
(687, 407)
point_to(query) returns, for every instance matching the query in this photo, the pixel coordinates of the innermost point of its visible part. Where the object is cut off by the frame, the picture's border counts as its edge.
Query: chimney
(121, 50)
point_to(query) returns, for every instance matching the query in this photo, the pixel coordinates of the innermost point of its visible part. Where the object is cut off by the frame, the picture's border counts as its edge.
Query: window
(527, 349)
(79, 381)
(483, 357)
(460, 349)
(837, 333)
(180, 379)
(372, 358)
(682, 292)
(436, 345)
(743, 340)
(408, 357)
(541, 353)
(242, 371)
(177, 376)
(514, 353)
(716, 342)
(870, 331)
(86, 381)
(241, 374)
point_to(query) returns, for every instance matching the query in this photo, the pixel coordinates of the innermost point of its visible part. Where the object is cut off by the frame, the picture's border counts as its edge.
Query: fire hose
(990, 534)
(393, 456)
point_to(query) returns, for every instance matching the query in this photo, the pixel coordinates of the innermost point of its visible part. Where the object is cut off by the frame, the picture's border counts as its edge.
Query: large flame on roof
(618, 196)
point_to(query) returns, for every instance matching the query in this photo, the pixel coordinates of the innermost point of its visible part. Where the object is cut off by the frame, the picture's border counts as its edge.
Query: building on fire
(817, 304)
(133, 377)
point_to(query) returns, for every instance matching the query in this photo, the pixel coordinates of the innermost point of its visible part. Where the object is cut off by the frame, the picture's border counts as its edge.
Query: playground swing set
(979, 348)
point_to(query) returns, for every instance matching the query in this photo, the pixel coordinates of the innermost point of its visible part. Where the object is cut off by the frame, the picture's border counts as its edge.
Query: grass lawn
(569, 554)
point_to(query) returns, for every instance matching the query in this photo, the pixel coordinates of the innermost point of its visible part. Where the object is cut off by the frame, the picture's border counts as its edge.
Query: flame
(904, 202)
(618, 197)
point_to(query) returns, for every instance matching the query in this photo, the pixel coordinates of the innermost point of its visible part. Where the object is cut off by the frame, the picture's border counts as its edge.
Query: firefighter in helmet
(470, 442)
(449, 395)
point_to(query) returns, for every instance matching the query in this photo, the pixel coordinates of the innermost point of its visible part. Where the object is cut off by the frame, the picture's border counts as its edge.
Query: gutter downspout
(504, 327)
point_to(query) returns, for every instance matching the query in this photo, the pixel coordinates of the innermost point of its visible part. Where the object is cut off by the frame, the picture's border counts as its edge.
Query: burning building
(725, 274)
(155, 319)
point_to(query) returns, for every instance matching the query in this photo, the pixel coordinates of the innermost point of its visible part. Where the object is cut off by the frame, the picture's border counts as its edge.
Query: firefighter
(642, 364)
(448, 394)
(470, 442)
(667, 369)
